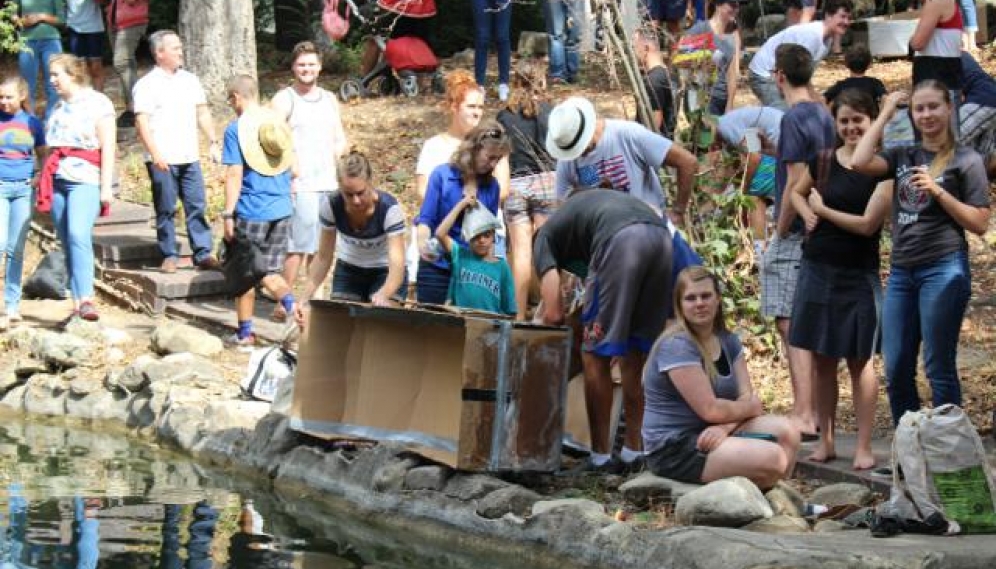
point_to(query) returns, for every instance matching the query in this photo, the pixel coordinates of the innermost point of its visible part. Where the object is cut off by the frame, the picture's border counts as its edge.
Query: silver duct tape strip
(324, 428)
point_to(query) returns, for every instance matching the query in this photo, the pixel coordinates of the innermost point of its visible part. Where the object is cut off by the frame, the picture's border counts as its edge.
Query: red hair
(458, 83)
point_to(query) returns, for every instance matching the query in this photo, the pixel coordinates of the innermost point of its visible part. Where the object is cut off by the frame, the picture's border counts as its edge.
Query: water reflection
(73, 499)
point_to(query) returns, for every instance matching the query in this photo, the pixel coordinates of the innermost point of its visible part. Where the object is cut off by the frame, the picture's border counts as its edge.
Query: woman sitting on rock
(363, 228)
(702, 421)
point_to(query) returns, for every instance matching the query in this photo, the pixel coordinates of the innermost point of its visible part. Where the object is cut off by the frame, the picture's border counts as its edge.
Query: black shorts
(679, 459)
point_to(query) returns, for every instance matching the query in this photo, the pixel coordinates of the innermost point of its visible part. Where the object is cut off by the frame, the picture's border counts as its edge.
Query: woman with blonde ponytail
(940, 191)
(701, 420)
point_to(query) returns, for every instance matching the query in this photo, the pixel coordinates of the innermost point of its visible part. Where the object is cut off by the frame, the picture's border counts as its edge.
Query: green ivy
(10, 39)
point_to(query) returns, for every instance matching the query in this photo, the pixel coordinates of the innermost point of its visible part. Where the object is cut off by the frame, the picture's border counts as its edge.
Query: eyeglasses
(494, 134)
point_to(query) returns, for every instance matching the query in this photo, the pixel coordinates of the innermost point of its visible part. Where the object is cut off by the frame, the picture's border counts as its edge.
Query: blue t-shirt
(666, 414)
(480, 284)
(443, 192)
(20, 134)
(978, 86)
(806, 130)
(263, 198)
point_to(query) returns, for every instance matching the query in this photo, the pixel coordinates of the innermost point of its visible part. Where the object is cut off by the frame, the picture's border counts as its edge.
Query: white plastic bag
(268, 369)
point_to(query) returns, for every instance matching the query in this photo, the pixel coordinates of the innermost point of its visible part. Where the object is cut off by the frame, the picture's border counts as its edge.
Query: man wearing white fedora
(258, 156)
(593, 152)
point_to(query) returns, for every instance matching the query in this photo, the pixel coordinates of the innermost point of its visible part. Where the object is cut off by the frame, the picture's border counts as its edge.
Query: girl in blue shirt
(22, 140)
(469, 172)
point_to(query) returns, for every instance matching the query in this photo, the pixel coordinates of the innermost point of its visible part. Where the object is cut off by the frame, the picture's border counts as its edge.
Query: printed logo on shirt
(609, 174)
(480, 280)
(912, 200)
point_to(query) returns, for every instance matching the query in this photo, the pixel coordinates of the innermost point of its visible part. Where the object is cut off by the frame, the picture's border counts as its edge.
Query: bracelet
(228, 215)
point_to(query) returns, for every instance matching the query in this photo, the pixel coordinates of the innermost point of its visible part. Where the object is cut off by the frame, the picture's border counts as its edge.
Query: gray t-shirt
(733, 124)
(922, 231)
(666, 414)
(626, 158)
(726, 50)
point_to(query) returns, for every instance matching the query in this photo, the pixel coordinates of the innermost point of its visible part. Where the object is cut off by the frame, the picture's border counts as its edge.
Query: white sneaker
(503, 92)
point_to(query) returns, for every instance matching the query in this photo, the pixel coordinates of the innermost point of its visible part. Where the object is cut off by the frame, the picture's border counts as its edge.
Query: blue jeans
(183, 181)
(74, 211)
(350, 282)
(492, 16)
(15, 212)
(432, 285)
(33, 55)
(563, 24)
(925, 303)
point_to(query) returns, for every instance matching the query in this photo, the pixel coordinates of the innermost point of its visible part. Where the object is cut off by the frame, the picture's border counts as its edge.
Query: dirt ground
(391, 130)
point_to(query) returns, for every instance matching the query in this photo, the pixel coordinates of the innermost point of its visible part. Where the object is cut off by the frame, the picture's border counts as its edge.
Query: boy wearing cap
(593, 152)
(257, 155)
(817, 37)
(479, 280)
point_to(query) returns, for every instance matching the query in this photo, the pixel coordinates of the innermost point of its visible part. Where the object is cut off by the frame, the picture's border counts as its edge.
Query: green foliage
(10, 39)
(164, 14)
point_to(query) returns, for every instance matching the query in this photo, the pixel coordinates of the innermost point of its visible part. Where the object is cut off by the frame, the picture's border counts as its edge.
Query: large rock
(509, 500)
(582, 506)
(182, 425)
(8, 376)
(100, 405)
(14, 399)
(431, 477)
(174, 338)
(22, 337)
(62, 350)
(779, 525)
(647, 489)
(391, 476)
(132, 378)
(234, 414)
(270, 440)
(533, 44)
(842, 493)
(786, 500)
(45, 394)
(84, 385)
(468, 487)
(92, 332)
(730, 502)
(364, 469)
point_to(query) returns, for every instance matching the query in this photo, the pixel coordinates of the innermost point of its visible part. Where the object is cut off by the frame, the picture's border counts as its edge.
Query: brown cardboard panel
(402, 374)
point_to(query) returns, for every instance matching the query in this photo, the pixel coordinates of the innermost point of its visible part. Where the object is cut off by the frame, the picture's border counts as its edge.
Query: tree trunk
(219, 41)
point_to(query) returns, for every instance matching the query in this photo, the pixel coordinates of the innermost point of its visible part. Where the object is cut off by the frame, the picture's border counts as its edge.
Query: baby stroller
(398, 28)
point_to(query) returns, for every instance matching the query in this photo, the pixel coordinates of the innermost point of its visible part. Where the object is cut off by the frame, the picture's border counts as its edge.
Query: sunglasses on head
(494, 133)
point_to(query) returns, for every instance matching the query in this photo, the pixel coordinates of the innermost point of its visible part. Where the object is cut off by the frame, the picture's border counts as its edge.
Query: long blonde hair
(944, 155)
(528, 89)
(688, 276)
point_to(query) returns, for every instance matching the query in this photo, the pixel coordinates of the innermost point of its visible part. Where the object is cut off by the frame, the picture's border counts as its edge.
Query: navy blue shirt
(807, 129)
(444, 191)
(978, 86)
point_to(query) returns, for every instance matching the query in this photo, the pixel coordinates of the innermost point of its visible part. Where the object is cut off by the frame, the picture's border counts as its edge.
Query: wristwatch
(228, 215)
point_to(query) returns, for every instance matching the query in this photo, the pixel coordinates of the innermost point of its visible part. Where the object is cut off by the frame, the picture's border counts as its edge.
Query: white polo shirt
(808, 35)
(171, 103)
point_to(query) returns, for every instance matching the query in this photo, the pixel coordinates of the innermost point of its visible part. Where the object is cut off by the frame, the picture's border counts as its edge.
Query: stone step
(156, 289)
(132, 247)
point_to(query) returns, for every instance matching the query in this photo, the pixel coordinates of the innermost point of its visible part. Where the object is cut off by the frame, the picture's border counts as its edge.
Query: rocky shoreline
(175, 394)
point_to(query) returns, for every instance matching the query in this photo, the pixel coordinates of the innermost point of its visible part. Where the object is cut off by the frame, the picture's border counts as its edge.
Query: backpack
(336, 27)
(941, 479)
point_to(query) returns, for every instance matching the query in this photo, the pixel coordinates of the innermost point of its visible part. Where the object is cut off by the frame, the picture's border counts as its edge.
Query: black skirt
(836, 311)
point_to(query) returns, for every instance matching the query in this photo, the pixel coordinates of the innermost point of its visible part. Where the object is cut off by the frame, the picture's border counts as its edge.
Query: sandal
(88, 311)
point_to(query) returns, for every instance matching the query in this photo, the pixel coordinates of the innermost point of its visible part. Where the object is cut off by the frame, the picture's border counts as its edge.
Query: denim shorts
(87, 46)
(679, 459)
(350, 282)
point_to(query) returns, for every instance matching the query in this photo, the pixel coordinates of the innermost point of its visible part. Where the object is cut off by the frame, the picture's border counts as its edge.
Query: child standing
(857, 59)
(479, 280)
(22, 142)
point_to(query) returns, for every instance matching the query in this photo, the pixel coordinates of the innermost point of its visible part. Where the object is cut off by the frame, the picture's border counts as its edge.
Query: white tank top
(316, 127)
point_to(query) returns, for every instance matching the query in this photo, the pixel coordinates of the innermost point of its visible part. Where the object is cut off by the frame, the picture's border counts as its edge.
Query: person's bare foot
(822, 454)
(863, 461)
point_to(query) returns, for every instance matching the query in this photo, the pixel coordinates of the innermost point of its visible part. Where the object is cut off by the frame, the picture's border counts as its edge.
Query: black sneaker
(126, 120)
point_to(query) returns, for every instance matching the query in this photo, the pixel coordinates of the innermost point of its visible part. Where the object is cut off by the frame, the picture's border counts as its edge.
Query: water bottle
(433, 250)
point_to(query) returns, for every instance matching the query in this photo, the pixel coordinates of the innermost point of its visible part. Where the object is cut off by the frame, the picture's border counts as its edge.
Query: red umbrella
(410, 8)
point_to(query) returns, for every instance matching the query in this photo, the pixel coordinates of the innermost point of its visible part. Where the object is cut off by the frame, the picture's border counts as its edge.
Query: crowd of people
(515, 204)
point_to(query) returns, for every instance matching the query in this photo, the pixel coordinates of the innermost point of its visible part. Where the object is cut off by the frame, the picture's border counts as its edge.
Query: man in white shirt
(319, 141)
(170, 105)
(817, 37)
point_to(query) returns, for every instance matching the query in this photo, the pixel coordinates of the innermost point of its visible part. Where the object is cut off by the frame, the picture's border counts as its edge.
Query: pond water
(77, 499)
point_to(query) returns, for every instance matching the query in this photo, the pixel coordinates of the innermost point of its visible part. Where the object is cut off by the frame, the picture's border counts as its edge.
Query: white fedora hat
(571, 127)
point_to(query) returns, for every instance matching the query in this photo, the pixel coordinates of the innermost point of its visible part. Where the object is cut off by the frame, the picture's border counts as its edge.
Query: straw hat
(571, 128)
(265, 141)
